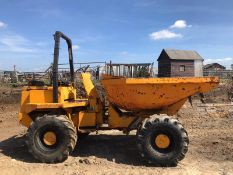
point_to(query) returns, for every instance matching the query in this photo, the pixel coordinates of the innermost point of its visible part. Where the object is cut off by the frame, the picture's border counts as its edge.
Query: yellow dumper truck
(56, 118)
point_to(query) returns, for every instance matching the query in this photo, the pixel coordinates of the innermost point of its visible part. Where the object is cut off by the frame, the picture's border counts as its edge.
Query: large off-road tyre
(162, 141)
(51, 138)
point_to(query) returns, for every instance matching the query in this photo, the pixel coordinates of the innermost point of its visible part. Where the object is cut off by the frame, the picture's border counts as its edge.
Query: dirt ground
(110, 152)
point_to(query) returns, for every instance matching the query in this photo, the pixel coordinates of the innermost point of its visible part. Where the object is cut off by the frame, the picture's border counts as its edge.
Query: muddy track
(110, 152)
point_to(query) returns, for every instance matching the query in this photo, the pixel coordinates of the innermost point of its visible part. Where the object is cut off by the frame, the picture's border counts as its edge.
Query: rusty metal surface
(137, 94)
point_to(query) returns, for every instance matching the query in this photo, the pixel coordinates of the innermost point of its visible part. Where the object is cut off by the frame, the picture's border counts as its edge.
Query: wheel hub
(162, 141)
(49, 138)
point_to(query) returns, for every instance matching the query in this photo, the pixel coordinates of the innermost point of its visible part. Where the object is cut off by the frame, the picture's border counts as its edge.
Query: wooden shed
(179, 63)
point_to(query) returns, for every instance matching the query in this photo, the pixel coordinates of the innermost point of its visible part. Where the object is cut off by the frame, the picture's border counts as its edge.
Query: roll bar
(57, 37)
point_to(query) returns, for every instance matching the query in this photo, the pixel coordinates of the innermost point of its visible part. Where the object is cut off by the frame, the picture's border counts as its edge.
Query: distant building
(180, 63)
(214, 66)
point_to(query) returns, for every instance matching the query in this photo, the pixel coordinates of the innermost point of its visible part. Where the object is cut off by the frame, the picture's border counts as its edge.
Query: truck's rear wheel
(162, 141)
(51, 138)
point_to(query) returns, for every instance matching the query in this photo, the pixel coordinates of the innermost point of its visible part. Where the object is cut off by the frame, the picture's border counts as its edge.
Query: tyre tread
(70, 129)
(144, 130)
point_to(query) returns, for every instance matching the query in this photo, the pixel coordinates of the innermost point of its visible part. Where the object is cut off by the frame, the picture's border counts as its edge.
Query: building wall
(198, 66)
(164, 68)
(175, 68)
(164, 65)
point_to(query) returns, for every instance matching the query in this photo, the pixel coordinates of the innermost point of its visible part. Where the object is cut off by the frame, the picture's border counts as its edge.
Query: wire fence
(222, 74)
(97, 69)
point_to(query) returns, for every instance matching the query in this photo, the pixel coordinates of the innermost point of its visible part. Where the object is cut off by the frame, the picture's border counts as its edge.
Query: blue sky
(118, 30)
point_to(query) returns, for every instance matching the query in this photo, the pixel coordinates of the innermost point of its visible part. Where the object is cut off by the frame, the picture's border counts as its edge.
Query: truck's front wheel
(162, 141)
(51, 138)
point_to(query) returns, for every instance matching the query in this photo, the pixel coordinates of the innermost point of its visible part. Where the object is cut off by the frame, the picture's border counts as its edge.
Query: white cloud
(167, 33)
(209, 60)
(206, 61)
(15, 43)
(164, 34)
(75, 47)
(180, 24)
(2, 25)
(228, 59)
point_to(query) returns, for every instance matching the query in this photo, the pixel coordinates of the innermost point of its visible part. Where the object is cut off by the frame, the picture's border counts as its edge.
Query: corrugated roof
(183, 54)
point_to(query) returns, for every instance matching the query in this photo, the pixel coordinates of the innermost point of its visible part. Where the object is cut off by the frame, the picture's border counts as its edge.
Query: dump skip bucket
(136, 94)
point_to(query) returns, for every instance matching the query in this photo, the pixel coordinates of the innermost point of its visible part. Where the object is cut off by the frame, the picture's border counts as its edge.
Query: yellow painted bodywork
(173, 108)
(141, 96)
(84, 119)
(96, 105)
(164, 94)
(44, 94)
(41, 99)
(117, 121)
